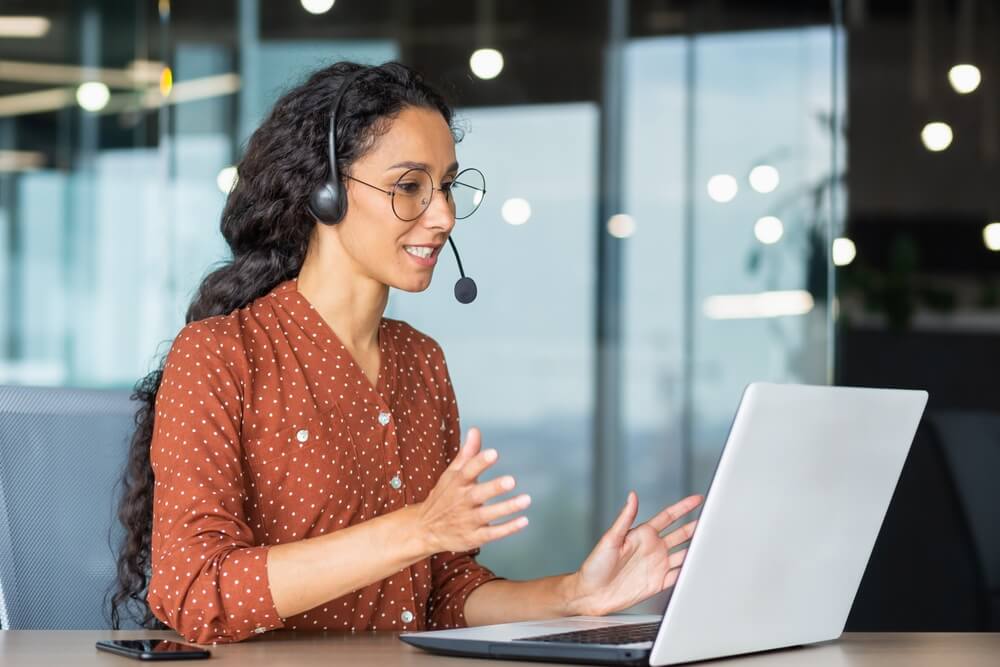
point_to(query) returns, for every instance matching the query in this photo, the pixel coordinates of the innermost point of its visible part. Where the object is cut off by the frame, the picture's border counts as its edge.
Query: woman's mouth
(422, 255)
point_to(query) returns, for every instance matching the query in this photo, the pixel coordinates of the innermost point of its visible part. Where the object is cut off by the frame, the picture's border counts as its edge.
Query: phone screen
(152, 649)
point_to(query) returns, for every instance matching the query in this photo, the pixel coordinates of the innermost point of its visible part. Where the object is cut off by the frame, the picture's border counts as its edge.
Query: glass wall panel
(729, 159)
(81, 179)
(521, 354)
(109, 217)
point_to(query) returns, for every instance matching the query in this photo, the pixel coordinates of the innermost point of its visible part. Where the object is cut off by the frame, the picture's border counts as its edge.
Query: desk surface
(25, 648)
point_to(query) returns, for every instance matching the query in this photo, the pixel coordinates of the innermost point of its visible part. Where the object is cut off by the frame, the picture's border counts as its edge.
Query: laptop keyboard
(628, 633)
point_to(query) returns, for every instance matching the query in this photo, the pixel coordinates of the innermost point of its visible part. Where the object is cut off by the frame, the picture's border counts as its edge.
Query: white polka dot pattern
(268, 432)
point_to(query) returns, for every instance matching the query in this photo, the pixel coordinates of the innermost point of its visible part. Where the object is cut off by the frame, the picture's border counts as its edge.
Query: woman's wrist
(569, 593)
(416, 541)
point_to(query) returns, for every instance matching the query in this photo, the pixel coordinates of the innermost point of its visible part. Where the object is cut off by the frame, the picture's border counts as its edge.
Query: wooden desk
(27, 648)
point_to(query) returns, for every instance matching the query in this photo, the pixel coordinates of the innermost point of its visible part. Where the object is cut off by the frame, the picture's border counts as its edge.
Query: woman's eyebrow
(420, 165)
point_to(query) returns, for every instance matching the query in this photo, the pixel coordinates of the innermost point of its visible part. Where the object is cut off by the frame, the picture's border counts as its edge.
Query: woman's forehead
(416, 135)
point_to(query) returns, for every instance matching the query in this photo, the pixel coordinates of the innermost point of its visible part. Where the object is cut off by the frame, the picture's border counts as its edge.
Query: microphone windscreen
(465, 290)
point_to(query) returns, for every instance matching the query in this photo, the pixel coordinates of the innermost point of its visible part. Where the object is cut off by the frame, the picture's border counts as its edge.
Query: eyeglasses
(411, 195)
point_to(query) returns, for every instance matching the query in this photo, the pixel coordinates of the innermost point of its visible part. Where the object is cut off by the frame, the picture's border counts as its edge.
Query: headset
(328, 202)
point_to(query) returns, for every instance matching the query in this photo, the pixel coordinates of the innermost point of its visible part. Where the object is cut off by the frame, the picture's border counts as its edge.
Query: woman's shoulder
(405, 336)
(227, 334)
(213, 341)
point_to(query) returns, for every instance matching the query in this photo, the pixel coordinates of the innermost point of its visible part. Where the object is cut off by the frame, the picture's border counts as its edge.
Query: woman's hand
(454, 518)
(629, 566)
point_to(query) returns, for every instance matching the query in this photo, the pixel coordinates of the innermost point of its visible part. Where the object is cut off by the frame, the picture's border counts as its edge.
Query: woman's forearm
(502, 601)
(307, 573)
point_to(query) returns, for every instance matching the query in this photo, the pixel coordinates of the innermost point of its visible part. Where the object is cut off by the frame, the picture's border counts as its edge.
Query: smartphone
(152, 649)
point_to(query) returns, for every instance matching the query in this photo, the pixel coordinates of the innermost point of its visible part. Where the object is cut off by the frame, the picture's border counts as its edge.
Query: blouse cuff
(246, 593)
(450, 611)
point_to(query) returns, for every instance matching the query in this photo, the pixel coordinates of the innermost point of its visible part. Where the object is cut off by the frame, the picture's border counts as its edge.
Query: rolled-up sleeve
(454, 574)
(208, 577)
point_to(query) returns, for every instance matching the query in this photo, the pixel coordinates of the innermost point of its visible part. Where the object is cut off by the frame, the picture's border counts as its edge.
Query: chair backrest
(970, 442)
(923, 574)
(61, 454)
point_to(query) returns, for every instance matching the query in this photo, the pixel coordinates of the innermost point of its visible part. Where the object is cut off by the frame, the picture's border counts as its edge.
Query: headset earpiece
(328, 202)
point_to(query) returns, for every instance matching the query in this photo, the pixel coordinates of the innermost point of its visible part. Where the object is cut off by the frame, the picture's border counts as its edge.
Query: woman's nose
(439, 212)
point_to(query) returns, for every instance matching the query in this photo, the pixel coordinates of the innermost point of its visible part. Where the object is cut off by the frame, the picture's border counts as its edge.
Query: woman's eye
(408, 188)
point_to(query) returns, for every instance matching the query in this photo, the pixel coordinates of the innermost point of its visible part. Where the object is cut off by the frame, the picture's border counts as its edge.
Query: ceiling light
(93, 95)
(722, 188)
(317, 6)
(166, 81)
(24, 26)
(964, 78)
(991, 236)
(768, 230)
(486, 63)
(762, 304)
(226, 180)
(764, 178)
(516, 211)
(621, 226)
(843, 251)
(936, 136)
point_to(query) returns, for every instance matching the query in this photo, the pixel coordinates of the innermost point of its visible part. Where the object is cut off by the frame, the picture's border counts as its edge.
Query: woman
(296, 462)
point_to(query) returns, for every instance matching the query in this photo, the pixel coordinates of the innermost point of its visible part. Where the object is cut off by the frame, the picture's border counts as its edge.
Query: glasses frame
(447, 193)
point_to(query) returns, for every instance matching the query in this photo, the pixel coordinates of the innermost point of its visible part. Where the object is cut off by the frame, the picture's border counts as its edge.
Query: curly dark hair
(267, 226)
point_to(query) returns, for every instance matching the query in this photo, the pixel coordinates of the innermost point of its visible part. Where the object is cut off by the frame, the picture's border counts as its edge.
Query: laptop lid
(790, 519)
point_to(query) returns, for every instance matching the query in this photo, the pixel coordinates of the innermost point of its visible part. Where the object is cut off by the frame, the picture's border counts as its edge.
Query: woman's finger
(493, 512)
(492, 533)
(491, 489)
(680, 535)
(671, 577)
(670, 514)
(676, 559)
(478, 464)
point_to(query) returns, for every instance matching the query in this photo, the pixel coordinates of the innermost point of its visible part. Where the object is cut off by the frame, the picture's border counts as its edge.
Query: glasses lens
(412, 194)
(467, 192)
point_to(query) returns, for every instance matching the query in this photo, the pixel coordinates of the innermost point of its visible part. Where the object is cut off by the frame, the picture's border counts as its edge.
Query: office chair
(924, 574)
(970, 442)
(61, 454)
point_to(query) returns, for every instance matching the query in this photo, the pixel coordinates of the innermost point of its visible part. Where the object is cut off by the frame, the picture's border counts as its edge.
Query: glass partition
(120, 122)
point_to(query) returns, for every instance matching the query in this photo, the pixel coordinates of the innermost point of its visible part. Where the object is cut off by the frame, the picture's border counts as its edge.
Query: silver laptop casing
(786, 531)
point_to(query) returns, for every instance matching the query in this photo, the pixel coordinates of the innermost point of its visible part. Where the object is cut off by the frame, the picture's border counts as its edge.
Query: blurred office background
(683, 197)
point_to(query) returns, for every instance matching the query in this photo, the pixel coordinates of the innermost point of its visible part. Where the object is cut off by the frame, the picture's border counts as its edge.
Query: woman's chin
(413, 284)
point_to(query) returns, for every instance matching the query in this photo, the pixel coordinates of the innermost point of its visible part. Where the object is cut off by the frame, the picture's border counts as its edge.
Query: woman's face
(382, 246)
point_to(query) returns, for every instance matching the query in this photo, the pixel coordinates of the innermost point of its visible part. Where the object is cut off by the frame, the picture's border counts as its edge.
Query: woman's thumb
(473, 440)
(626, 517)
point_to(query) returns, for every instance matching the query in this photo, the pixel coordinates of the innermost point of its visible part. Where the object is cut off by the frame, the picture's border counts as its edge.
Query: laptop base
(536, 651)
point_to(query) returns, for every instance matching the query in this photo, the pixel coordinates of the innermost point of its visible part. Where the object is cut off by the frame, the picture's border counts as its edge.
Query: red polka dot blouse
(267, 432)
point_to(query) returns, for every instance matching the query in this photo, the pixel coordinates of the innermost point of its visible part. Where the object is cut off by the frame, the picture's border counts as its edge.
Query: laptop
(785, 533)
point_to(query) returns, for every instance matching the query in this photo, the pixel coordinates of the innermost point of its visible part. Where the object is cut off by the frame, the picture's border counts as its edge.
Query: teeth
(419, 251)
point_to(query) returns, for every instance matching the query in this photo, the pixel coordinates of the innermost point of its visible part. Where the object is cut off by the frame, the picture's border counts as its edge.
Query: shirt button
(407, 616)
(383, 418)
(260, 630)
(302, 435)
(395, 482)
